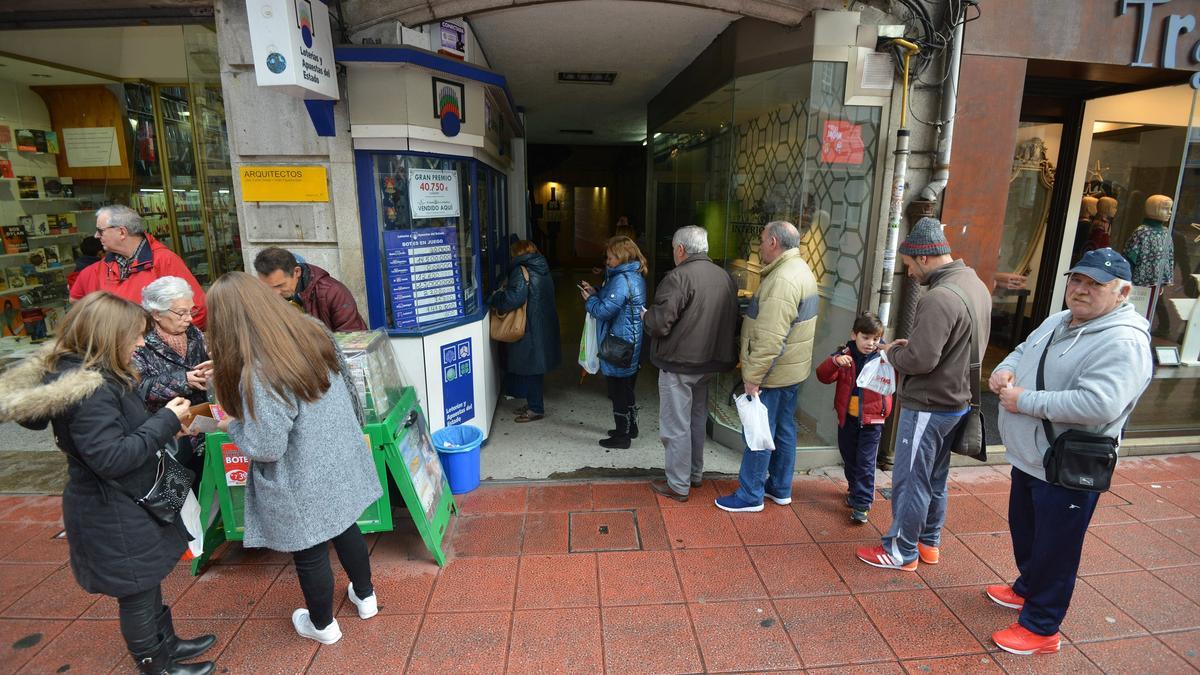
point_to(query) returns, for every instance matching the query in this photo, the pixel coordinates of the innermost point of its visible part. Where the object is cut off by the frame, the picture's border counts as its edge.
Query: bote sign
(1174, 27)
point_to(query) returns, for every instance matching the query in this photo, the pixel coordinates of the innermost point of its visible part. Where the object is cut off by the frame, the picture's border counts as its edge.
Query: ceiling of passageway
(645, 43)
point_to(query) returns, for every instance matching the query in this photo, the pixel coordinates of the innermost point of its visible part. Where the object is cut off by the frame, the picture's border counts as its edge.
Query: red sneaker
(1005, 597)
(1016, 639)
(930, 555)
(877, 557)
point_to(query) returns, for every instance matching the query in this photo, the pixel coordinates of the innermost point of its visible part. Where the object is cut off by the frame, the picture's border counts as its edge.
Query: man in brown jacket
(692, 322)
(934, 365)
(310, 288)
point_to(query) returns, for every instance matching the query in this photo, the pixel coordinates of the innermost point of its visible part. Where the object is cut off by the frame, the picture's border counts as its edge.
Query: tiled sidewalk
(538, 584)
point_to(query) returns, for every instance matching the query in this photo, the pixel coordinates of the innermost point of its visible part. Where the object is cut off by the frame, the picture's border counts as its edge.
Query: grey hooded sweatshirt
(1094, 374)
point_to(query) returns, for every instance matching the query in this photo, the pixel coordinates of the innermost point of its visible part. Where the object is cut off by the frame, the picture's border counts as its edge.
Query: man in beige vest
(776, 356)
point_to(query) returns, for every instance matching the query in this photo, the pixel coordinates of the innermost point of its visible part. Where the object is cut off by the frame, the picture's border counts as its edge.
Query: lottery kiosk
(432, 148)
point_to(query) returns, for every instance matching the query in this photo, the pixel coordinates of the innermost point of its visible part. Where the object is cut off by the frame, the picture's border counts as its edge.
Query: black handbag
(1076, 460)
(165, 498)
(970, 436)
(616, 351)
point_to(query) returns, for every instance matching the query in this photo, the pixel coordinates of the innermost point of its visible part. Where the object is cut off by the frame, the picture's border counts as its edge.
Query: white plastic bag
(589, 346)
(879, 376)
(190, 513)
(756, 424)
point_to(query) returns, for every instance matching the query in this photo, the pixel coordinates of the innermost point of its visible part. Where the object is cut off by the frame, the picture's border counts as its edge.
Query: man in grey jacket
(934, 364)
(1097, 364)
(692, 322)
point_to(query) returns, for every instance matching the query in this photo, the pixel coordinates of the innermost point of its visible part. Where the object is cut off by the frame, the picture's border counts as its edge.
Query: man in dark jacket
(692, 322)
(934, 364)
(310, 288)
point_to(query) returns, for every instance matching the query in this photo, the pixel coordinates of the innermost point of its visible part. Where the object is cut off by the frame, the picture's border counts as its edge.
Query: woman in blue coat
(618, 307)
(539, 350)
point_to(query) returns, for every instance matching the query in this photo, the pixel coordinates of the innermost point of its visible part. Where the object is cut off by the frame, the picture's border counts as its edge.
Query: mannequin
(1083, 231)
(1150, 250)
(1106, 213)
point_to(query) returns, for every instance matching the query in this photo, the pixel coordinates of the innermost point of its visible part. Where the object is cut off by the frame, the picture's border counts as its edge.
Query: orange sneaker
(876, 556)
(1005, 596)
(930, 555)
(1016, 639)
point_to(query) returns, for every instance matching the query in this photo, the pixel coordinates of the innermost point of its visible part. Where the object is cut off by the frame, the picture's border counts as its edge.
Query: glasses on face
(183, 313)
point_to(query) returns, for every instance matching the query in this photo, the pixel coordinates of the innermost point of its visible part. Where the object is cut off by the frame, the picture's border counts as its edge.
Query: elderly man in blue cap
(953, 320)
(1082, 369)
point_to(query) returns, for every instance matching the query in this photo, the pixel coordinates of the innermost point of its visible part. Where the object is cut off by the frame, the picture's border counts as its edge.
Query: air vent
(587, 78)
(578, 132)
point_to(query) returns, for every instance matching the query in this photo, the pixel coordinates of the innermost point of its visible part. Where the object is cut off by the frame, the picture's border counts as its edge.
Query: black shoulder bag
(969, 437)
(171, 486)
(1076, 460)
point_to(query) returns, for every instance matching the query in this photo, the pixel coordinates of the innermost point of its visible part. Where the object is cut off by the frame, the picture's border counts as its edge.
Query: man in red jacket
(133, 259)
(310, 288)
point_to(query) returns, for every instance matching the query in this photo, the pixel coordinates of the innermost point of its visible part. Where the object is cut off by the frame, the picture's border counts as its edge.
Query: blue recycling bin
(458, 448)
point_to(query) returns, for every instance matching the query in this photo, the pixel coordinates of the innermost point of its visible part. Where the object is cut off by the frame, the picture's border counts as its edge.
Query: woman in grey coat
(282, 382)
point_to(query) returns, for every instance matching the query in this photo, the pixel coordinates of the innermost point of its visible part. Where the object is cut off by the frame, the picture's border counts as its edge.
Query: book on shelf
(25, 141)
(16, 278)
(3, 281)
(6, 169)
(37, 258)
(10, 315)
(41, 225)
(67, 223)
(53, 258)
(52, 223)
(15, 239)
(39, 140)
(27, 187)
(68, 186)
(52, 142)
(51, 187)
(6, 137)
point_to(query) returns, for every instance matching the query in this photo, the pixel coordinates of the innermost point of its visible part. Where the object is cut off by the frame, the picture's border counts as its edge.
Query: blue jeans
(531, 386)
(919, 481)
(772, 471)
(859, 444)
(1048, 524)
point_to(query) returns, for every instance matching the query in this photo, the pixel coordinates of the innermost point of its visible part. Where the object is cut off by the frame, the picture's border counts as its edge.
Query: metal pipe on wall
(941, 171)
(896, 205)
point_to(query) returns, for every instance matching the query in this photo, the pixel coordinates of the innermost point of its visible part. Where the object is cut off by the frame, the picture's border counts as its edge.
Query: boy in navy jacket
(861, 412)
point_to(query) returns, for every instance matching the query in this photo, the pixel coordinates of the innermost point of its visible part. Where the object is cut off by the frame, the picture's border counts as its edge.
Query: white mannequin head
(1158, 207)
(1087, 208)
(1107, 207)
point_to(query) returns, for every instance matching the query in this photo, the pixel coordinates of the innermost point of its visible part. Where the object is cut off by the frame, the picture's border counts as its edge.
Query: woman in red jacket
(861, 412)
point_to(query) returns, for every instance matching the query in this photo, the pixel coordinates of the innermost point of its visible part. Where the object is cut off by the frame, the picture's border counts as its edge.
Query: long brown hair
(101, 328)
(521, 247)
(252, 331)
(626, 250)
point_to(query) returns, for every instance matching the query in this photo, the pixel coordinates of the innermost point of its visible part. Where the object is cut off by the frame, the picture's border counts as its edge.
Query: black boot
(158, 662)
(181, 650)
(621, 438)
(633, 423)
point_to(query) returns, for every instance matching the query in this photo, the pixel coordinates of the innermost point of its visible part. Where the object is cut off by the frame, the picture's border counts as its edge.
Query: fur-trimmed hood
(31, 392)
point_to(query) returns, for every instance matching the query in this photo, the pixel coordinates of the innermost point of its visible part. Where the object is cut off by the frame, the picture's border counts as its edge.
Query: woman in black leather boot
(84, 386)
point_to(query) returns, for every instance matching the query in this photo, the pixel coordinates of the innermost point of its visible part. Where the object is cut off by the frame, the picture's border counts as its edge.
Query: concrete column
(266, 127)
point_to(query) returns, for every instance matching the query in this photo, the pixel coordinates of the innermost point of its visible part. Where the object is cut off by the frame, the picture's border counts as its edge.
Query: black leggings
(316, 576)
(138, 614)
(620, 390)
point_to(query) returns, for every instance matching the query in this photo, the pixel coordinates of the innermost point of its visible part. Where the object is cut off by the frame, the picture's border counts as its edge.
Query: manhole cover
(604, 531)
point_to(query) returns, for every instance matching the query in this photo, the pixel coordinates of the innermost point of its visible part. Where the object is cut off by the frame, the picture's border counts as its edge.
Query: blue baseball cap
(1103, 265)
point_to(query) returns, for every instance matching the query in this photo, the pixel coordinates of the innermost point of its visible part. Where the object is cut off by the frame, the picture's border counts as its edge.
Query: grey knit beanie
(925, 238)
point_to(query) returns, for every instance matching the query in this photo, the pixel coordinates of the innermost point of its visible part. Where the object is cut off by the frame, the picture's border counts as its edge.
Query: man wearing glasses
(133, 259)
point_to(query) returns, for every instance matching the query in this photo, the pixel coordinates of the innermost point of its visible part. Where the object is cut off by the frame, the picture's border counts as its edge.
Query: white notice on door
(91, 146)
(433, 194)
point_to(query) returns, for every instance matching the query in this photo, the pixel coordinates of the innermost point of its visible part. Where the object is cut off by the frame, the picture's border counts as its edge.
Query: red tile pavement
(703, 591)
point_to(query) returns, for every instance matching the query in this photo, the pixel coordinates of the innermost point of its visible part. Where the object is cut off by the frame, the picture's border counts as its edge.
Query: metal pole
(896, 206)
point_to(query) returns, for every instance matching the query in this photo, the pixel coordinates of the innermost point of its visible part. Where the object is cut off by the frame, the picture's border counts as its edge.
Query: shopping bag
(191, 519)
(879, 376)
(589, 349)
(756, 425)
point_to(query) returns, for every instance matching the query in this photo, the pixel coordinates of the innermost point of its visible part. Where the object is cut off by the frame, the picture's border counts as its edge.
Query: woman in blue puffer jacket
(618, 306)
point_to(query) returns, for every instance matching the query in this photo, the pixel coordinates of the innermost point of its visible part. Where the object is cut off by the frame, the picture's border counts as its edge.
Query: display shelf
(26, 287)
(57, 236)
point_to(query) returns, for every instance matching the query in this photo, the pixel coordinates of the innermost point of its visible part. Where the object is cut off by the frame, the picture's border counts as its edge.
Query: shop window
(424, 209)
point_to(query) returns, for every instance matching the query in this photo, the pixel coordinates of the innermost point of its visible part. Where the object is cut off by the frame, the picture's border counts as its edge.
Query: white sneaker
(366, 608)
(304, 626)
(782, 501)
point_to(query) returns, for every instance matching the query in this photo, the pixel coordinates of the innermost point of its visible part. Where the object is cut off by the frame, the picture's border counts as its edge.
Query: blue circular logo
(306, 35)
(276, 63)
(451, 125)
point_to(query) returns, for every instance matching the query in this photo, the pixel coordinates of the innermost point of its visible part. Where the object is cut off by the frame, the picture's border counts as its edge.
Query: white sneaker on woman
(366, 608)
(304, 626)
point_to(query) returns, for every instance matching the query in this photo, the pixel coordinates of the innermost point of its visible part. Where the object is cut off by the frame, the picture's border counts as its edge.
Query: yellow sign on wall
(290, 183)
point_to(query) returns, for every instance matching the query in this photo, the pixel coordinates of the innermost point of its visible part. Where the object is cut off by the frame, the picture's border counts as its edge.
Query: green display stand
(398, 445)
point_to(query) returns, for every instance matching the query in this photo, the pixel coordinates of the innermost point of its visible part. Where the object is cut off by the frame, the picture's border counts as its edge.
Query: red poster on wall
(842, 143)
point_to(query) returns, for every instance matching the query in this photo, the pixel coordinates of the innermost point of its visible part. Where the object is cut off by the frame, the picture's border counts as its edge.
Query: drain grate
(598, 531)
